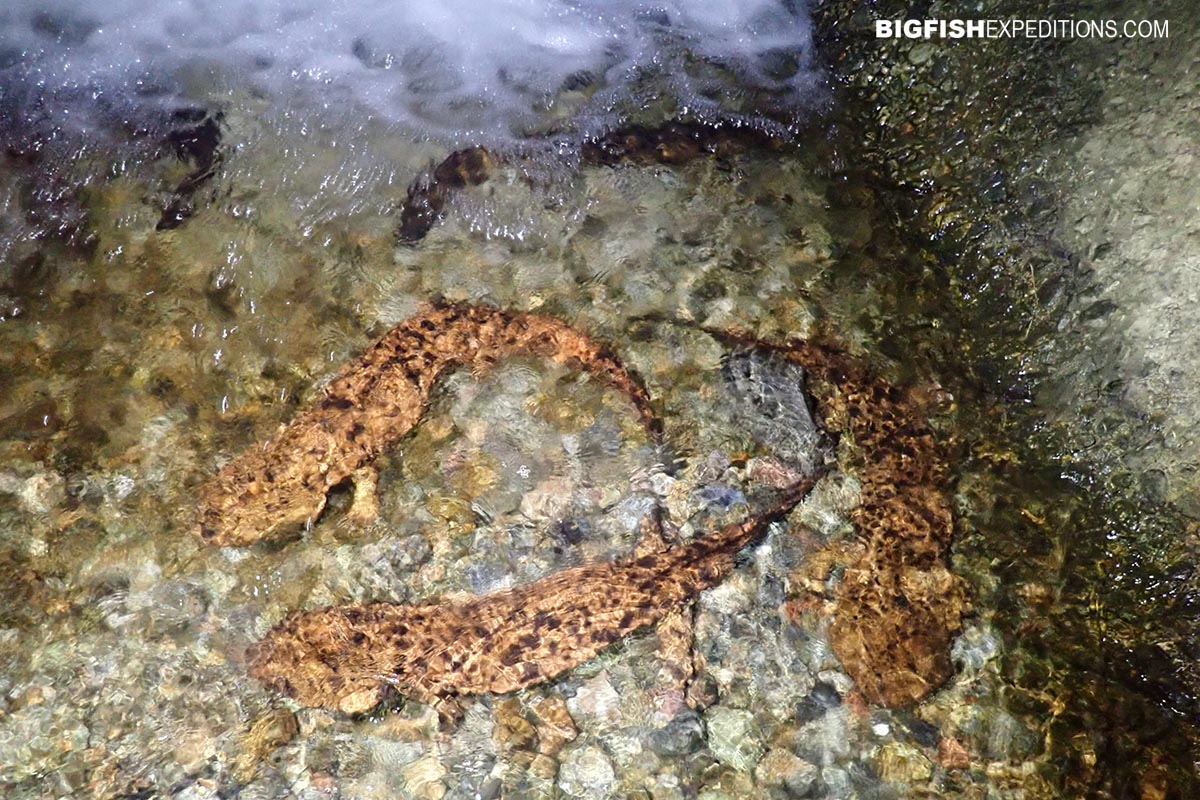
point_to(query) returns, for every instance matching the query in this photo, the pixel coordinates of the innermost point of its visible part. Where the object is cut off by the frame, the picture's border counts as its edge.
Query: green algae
(1077, 556)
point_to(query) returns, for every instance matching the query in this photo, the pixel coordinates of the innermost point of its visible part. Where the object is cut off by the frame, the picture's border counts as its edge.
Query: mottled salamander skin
(899, 606)
(374, 401)
(348, 659)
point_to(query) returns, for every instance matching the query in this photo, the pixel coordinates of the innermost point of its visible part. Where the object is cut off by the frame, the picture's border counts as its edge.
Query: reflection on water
(135, 360)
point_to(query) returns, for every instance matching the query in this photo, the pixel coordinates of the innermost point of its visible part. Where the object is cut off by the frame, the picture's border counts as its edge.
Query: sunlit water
(134, 362)
(456, 71)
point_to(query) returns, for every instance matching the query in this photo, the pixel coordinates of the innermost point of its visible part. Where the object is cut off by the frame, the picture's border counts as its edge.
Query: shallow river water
(164, 308)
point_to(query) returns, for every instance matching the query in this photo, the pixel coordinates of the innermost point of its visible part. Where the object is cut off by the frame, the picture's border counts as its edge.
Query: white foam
(448, 69)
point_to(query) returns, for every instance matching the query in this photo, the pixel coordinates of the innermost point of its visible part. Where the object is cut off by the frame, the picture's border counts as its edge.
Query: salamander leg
(651, 535)
(676, 636)
(677, 659)
(364, 508)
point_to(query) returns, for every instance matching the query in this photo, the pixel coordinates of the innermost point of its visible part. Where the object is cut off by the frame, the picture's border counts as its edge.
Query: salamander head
(322, 661)
(237, 512)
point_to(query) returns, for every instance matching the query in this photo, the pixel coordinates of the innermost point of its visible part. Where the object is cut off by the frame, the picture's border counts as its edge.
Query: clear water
(134, 362)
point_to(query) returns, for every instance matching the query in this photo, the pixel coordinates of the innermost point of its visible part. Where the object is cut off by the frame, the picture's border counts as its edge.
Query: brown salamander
(348, 658)
(899, 606)
(374, 401)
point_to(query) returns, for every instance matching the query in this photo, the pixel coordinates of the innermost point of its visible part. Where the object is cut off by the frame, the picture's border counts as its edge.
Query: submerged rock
(900, 763)
(770, 393)
(734, 737)
(783, 768)
(681, 736)
(587, 773)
